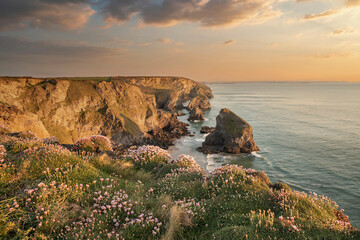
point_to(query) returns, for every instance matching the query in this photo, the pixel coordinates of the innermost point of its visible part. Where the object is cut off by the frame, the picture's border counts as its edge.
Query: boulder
(196, 114)
(232, 135)
(207, 129)
(200, 101)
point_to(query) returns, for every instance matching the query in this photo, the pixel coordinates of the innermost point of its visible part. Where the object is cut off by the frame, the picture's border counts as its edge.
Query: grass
(49, 192)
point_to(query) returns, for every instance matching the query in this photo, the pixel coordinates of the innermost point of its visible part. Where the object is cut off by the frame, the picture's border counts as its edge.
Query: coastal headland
(62, 176)
(128, 110)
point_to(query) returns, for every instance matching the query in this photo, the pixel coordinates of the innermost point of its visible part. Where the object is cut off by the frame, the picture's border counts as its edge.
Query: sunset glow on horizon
(205, 40)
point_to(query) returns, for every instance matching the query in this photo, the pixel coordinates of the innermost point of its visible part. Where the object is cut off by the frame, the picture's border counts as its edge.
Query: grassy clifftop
(49, 192)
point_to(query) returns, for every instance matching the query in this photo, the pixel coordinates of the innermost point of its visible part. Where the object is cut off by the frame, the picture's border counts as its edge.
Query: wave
(256, 155)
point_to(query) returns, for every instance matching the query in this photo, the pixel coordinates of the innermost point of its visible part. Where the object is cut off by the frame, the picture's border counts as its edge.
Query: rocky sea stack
(232, 135)
(200, 101)
(196, 115)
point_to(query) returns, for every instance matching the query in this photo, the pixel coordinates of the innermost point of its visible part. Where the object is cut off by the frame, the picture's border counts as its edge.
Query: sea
(308, 134)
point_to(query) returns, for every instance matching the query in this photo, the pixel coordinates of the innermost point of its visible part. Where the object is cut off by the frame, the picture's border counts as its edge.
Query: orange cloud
(353, 3)
(325, 13)
(338, 31)
(229, 42)
(328, 56)
(164, 40)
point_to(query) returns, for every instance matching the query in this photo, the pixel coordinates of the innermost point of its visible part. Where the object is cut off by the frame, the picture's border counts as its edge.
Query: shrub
(112, 215)
(84, 144)
(2, 151)
(7, 169)
(50, 140)
(259, 175)
(228, 178)
(49, 157)
(23, 144)
(182, 183)
(102, 143)
(281, 186)
(149, 157)
(27, 134)
(186, 161)
(93, 144)
(4, 130)
(232, 181)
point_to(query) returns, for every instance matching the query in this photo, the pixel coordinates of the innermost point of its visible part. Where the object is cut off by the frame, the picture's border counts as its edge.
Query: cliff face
(130, 110)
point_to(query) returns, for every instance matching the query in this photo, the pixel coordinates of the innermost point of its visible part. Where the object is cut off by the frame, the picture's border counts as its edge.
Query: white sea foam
(213, 156)
(256, 155)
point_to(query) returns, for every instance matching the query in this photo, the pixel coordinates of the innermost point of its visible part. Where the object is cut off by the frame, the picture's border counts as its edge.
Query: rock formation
(196, 114)
(129, 110)
(22, 121)
(207, 129)
(232, 135)
(200, 101)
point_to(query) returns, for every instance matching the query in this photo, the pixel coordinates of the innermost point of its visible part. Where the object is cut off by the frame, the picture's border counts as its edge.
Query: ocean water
(308, 135)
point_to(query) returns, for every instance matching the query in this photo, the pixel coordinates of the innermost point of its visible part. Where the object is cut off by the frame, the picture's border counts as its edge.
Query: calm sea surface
(308, 135)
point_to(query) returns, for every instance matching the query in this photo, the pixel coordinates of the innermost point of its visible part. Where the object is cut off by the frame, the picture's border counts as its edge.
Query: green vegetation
(95, 143)
(50, 192)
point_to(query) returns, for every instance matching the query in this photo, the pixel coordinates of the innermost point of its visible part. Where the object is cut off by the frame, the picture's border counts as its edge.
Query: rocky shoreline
(129, 110)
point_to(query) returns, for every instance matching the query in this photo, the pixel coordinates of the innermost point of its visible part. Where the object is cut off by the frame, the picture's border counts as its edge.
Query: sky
(205, 40)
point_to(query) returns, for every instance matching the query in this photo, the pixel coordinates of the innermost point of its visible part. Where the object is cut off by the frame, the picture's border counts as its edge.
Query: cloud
(118, 41)
(208, 13)
(229, 42)
(344, 30)
(164, 40)
(49, 14)
(325, 13)
(352, 3)
(330, 12)
(329, 56)
(338, 31)
(20, 49)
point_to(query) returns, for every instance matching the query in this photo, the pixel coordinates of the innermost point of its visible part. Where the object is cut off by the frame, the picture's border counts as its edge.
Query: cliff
(129, 110)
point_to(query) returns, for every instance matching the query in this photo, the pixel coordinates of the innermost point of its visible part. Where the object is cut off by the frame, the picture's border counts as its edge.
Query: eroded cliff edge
(129, 110)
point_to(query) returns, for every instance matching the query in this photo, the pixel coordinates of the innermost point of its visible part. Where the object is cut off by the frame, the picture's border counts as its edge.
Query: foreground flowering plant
(148, 157)
(186, 161)
(93, 144)
(50, 192)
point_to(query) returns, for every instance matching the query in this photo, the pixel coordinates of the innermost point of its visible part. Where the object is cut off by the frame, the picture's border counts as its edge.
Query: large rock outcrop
(196, 115)
(170, 92)
(232, 135)
(22, 121)
(129, 110)
(200, 101)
